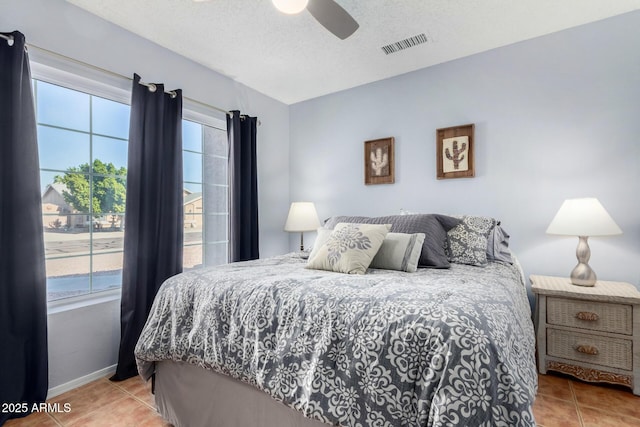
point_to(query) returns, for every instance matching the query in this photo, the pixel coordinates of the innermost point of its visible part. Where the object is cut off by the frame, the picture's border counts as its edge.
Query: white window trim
(190, 111)
(84, 300)
(82, 79)
(52, 69)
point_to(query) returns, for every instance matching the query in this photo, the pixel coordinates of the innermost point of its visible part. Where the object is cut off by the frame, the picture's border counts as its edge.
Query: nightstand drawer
(605, 351)
(596, 316)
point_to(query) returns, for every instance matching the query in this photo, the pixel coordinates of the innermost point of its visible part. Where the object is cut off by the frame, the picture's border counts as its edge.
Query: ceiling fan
(327, 12)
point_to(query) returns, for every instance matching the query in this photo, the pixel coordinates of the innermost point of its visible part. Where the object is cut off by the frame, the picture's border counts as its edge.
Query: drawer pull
(587, 349)
(587, 315)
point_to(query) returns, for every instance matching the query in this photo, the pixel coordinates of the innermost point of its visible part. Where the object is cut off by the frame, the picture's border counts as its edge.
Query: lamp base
(582, 274)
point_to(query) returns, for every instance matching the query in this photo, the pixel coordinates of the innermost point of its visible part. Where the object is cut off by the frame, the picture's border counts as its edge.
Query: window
(206, 215)
(83, 143)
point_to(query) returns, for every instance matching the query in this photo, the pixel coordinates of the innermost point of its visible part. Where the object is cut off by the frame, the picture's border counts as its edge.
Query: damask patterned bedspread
(432, 348)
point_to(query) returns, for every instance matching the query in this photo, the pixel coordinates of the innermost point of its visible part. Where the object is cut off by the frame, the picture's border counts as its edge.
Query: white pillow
(321, 238)
(349, 248)
(399, 251)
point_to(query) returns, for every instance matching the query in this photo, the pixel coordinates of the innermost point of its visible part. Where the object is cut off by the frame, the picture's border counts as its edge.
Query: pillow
(349, 248)
(434, 227)
(399, 251)
(321, 238)
(498, 245)
(468, 241)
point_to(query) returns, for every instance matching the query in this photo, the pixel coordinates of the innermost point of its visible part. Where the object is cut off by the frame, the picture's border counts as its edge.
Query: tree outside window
(109, 190)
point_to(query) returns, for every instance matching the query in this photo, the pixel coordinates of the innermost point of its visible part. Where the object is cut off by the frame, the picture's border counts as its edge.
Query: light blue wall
(555, 117)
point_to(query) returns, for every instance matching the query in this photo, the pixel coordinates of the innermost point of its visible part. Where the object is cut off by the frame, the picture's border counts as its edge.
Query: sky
(68, 121)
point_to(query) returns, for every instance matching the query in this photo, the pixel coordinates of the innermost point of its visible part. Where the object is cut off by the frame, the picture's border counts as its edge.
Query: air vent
(405, 44)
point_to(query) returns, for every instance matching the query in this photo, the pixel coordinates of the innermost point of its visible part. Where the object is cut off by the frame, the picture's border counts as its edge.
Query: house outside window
(83, 144)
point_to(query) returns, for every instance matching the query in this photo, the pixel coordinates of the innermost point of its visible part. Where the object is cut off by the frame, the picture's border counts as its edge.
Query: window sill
(88, 300)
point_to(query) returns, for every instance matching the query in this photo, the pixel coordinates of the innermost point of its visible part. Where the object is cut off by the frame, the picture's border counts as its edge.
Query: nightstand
(591, 333)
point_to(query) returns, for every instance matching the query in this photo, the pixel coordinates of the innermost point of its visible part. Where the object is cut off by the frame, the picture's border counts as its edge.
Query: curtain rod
(151, 86)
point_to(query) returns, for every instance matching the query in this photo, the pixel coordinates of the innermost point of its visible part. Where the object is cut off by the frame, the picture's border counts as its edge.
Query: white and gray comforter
(432, 348)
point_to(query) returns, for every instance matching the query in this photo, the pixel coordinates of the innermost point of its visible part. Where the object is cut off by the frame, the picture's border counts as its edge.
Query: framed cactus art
(379, 161)
(455, 152)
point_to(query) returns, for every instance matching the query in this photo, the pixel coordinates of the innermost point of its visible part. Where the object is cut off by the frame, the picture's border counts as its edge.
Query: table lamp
(583, 218)
(302, 217)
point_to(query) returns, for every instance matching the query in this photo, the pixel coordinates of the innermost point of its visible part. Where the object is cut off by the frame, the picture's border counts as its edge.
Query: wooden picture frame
(379, 159)
(455, 152)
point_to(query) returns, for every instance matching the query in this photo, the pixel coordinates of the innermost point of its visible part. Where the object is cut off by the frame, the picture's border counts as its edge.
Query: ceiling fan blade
(333, 17)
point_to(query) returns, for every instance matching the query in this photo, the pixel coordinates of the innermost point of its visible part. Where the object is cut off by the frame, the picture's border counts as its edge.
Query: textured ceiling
(293, 58)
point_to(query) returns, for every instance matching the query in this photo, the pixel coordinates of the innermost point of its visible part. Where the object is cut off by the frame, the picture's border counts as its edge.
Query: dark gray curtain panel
(243, 187)
(23, 294)
(154, 211)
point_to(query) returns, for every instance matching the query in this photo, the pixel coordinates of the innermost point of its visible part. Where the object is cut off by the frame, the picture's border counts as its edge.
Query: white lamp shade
(583, 217)
(302, 217)
(290, 6)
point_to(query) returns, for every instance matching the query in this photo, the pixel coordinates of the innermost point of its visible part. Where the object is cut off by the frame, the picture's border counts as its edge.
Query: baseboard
(63, 388)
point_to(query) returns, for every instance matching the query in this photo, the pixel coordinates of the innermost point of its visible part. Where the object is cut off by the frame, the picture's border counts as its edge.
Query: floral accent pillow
(350, 248)
(467, 242)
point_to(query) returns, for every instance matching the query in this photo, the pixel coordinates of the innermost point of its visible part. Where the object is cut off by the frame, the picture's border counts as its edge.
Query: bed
(272, 342)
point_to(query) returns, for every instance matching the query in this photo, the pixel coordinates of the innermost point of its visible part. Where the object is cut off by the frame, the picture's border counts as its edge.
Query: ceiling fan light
(290, 6)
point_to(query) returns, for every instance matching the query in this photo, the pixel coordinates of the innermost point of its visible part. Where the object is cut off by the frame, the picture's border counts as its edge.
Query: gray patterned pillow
(434, 227)
(467, 242)
(350, 248)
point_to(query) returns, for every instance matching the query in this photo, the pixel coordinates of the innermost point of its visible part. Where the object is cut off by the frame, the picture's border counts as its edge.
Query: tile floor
(100, 403)
(566, 402)
(561, 402)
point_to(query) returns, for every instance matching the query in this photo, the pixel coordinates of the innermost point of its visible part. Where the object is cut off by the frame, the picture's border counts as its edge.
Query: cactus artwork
(379, 162)
(454, 154)
(457, 154)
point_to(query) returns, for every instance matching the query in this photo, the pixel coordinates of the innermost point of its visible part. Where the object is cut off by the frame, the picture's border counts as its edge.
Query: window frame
(67, 72)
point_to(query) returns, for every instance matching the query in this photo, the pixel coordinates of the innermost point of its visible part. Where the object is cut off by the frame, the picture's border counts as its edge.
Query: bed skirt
(189, 396)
